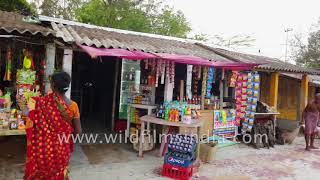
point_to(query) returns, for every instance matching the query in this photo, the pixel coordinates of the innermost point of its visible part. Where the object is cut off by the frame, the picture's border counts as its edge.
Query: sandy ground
(119, 162)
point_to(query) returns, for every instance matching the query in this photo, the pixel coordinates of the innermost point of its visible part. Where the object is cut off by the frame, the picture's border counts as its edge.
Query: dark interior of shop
(92, 88)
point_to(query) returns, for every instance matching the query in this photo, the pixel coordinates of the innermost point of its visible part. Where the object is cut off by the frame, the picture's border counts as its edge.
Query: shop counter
(12, 132)
(152, 119)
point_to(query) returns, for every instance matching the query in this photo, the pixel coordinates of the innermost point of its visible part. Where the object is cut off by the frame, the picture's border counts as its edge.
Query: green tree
(59, 8)
(135, 15)
(307, 54)
(21, 6)
(122, 14)
(171, 23)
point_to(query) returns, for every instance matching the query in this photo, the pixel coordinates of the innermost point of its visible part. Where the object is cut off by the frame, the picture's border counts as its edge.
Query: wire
(29, 42)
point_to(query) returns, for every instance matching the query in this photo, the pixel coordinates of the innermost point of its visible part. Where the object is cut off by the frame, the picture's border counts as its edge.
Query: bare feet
(313, 147)
(308, 148)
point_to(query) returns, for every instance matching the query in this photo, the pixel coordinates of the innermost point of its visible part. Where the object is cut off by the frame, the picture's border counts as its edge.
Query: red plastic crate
(178, 173)
(120, 126)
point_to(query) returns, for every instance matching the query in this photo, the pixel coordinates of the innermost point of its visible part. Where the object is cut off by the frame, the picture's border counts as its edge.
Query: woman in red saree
(52, 117)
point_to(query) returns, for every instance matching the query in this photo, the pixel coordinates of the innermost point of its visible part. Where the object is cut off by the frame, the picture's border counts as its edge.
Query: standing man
(310, 118)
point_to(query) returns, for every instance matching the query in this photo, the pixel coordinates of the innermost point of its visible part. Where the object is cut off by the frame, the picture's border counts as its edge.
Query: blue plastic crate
(173, 160)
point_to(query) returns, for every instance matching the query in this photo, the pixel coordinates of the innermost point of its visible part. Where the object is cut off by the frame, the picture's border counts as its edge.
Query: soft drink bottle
(166, 114)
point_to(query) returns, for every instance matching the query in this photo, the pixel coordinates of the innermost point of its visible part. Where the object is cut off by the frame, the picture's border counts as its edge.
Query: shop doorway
(92, 88)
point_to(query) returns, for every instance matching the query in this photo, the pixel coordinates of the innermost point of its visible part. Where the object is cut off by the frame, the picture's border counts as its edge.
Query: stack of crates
(178, 161)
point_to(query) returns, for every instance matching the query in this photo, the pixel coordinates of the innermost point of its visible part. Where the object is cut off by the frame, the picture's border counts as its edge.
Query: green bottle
(166, 114)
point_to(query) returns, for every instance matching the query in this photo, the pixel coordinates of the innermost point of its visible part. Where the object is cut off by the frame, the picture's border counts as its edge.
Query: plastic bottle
(166, 114)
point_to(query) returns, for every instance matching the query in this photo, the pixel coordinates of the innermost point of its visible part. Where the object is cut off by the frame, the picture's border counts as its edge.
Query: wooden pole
(274, 89)
(67, 66)
(50, 60)
(304, 92)
(181, 90)
(115, 88)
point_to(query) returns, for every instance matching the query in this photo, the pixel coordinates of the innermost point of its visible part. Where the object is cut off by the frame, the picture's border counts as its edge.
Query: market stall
(189, 93)
(21, 78)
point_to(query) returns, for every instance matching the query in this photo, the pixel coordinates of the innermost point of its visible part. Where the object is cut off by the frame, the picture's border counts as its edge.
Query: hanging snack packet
(256, 78)
(244, 96)
(254, 101)
(243, 108)
(255, 93)
(256, 86)
(254, 108)
(244, 83)
(251, 114)
(244, 90)
(238, 92)
(251, 121)
(250, 85)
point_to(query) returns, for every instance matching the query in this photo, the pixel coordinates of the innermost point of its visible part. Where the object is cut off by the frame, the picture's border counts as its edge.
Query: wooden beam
(50, 60)
(274, 89)
(67, 66)
(304, 92)
(115, 88)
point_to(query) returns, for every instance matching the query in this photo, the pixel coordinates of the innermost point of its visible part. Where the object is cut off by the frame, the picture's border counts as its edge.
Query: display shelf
(12, 132)
(271, 113)
(128, 67)
(149, 109)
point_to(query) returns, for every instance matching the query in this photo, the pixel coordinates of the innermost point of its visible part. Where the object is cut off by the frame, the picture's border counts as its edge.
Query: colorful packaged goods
(176, 111)
(241, 96)
(252, 100)
(224, 123)
(210, 79)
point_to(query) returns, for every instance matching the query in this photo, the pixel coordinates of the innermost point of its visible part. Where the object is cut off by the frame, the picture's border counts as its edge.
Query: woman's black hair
(60, 82)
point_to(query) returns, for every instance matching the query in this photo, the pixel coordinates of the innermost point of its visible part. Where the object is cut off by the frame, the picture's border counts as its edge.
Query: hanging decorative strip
(158, 72)
(172, 74)
(195, 79)
(8, 73)
(204, 81)
(210, 78)
(253, 89)
(189, 81)
(241, 97)
(163, 70)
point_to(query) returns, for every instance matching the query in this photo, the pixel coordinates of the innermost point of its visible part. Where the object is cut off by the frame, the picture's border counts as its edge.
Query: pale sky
(264, 20)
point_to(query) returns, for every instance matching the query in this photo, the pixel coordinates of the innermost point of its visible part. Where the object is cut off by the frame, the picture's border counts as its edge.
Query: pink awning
(183, 59)
(176, 57)
(122, 53)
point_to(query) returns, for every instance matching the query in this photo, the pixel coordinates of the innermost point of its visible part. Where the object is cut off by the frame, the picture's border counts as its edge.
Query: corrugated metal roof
(97, 36)
(11, 22)
(267, 63)
(313, 79)
(74, 32)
